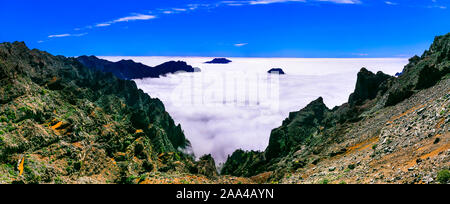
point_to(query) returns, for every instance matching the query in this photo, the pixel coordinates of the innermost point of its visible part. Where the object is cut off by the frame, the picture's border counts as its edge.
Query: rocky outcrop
(368, 86)
(299, 127)
(206, 166)
(219, 61)
(128, 69)
(244, 163)
(276, 71)
(421, 72)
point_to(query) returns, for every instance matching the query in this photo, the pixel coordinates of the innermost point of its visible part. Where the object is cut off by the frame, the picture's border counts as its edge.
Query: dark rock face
(173, 67)
(368, 86)
(297, 128)
(242, 163)
(128, 69)
(276, 71)
(219, 61)
(55, 107)
(421, 72)
(206, 166)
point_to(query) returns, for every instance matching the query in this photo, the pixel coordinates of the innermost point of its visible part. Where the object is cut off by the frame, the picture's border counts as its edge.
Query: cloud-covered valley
(218, 121)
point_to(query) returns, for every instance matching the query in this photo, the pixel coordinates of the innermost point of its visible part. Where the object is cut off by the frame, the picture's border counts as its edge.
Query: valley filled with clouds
(226, 107)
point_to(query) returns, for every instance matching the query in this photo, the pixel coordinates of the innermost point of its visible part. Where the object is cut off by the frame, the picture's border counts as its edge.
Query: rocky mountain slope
(392, 130)
(128, 69)
(62, 122)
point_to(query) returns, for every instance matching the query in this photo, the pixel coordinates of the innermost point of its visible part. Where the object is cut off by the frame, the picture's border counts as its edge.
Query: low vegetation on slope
(61, 122)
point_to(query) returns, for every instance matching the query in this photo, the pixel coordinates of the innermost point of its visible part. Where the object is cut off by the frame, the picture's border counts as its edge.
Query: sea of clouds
(235, 106)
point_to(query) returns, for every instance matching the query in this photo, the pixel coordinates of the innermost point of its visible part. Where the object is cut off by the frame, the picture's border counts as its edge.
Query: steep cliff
(67, 123)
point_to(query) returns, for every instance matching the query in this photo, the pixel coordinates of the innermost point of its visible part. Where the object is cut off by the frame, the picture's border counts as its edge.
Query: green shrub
(77, 165)
(58, 180)
(11, 115)
(374, 146)
(23, 109)
(324, 181)
(131, 179)
(10, 128)
(443, 176)
(3, 119)
(177, 157)
(351, 166)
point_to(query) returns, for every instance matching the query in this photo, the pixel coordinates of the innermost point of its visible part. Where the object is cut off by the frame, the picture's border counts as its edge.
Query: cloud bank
(221, 126)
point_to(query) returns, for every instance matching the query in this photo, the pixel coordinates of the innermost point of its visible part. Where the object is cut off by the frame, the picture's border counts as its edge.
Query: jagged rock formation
(128, 69)
(276, 71)
(62, 122)
(368, 86)
(421, 72)
(298, 127)
(207, 166)
(385, 132)
(242, 163)
(219, 61)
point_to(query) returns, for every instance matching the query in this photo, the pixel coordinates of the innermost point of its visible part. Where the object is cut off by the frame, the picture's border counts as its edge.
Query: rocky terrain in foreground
(392, 130)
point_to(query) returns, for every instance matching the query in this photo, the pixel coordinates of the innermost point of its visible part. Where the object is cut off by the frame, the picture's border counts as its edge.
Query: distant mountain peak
(276, 71)
(129, 69)
(219, 61)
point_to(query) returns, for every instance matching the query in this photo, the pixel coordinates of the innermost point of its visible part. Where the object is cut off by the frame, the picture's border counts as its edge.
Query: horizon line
(405, 57)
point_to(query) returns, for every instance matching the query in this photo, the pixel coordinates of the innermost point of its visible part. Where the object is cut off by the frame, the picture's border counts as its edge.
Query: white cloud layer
(220, 129)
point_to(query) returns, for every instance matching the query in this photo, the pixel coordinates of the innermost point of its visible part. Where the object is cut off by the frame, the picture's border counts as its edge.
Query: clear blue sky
(250, 28)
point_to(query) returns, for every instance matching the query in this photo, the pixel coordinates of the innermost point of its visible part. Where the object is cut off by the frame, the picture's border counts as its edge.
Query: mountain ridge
(67, 123)
(316, 134)
(63, 122)
(128, 69)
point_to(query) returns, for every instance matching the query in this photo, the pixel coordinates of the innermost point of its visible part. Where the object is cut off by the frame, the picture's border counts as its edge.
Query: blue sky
(233, 28)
